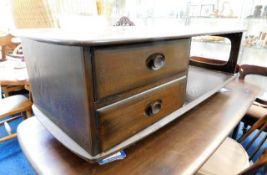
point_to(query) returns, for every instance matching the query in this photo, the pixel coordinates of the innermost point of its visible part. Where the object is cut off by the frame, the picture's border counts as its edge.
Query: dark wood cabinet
(68, 81)
(100, 93)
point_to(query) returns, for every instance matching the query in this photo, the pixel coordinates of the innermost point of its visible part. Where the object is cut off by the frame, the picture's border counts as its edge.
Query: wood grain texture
(64, 79)
(120, 121)
(179, 148)
(123, 68)
(60, 88)
(73, 72)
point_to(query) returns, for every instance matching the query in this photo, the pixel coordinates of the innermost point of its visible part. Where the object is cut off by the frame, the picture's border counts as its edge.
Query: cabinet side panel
(57, 75)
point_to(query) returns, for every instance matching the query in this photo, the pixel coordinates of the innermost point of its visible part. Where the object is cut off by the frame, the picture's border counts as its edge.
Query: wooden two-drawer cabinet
(102, 91)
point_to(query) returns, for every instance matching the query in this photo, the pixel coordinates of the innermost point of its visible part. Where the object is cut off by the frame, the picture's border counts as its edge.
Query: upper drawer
(122, 68)
(122, 120)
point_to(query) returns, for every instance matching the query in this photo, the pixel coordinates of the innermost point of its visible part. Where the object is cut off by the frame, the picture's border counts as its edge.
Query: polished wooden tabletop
(13, 73)
(178, 148)
(121, 35)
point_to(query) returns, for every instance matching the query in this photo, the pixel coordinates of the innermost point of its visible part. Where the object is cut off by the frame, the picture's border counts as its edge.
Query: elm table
(180, 147)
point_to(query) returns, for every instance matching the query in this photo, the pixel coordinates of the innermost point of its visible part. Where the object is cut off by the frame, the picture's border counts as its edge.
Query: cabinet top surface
(119, 35)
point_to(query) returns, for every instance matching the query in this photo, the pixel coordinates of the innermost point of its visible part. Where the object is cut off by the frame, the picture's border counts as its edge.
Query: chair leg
(29, 113)
(5, 91)
(23, 115)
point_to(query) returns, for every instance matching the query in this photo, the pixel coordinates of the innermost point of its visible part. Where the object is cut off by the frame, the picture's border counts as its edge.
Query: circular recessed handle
(155, 61)
(153, 108)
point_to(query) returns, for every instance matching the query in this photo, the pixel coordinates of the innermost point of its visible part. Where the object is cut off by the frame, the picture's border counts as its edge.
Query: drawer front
(122, 68)
(124, 119)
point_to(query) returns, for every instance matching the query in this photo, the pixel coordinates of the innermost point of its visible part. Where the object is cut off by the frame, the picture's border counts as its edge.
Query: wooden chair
(28, 87)
(15, 106)
(8, 90)
(6, 45)
(27, 14)
(259, 107)
(231, 157)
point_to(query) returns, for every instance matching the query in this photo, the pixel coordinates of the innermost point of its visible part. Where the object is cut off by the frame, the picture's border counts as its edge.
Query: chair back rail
(259, 126)
(246, 69)
(261, 163)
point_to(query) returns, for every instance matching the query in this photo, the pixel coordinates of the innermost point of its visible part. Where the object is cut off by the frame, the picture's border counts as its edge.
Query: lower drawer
(123, 119)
